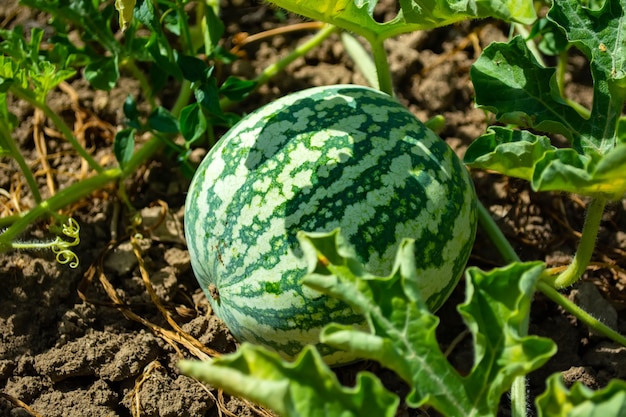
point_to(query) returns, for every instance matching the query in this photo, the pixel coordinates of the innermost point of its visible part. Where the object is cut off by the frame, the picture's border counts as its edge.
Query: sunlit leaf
(357, 15)
(580, 401)
(236, 89)
(403, 330)
(512, 84)
(212, 31)
(591, 174)
(306, 387)
(510, 152)
(600, 35)
(125, 10)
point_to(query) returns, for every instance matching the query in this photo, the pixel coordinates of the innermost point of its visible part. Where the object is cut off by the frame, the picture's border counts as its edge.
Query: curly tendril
(61, 248)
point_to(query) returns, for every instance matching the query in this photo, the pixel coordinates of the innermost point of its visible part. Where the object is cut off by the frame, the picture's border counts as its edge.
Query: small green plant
(159, 36)
(524, 94)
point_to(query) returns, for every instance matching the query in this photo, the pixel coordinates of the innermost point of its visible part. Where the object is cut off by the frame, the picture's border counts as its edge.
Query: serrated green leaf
(403, 330)
(591, 174)
(357, 15)
(600, 35)
(580, 401)
(512, 84)
(304, 388)
(524, 155)
(497, 306)
(510, 152)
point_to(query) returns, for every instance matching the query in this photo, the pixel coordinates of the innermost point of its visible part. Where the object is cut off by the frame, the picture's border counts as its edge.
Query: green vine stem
(130, 64)
(60, 124)
(7, 141)
(586, 246)
(579, 313)
(272, 70)
(385, 83)
(495, 235)
(74, 192)
(61, 248)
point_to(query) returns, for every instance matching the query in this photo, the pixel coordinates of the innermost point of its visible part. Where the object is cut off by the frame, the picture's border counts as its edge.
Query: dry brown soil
(67, 350)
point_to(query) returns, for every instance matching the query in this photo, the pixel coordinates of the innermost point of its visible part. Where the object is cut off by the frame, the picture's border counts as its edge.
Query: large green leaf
(600, 35)
(403, 330)
(521, 154)
(357, 15)
(512, 84)
(306, 387)
(402, 339)
(510, 152)
(591, 174)
(580, 401)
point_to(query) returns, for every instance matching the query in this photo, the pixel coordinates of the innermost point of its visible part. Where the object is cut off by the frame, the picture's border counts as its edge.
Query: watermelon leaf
(599, 34)
(357, 16)
(579, 401)
(306, 387)
(403, 330)
(510, 152)
(522, 154)
(511, 83)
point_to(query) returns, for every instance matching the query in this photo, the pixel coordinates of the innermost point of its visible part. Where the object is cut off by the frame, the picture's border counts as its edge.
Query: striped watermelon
(327, 157)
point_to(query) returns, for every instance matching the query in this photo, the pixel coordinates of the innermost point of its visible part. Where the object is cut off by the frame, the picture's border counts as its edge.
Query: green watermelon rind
(340, 156)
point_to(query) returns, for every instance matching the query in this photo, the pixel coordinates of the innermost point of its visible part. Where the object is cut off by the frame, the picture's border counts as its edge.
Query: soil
(93, 341)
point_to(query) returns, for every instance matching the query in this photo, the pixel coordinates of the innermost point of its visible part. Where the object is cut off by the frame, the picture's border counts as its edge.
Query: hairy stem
(586, 246)
(495, 235)
(579, 313)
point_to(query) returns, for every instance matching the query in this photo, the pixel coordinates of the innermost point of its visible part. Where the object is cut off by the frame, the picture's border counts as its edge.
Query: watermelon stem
(519, 400)
(383, 72)
(586, 318)
(587, 244)
(495, 235)
(275, 68)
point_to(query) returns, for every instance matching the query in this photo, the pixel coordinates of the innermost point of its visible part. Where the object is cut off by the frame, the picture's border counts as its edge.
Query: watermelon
(337, 156)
